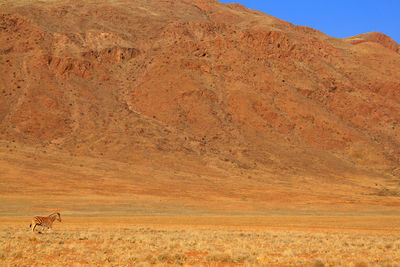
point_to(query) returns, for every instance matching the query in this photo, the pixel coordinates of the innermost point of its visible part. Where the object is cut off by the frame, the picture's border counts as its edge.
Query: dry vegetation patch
(123, 244)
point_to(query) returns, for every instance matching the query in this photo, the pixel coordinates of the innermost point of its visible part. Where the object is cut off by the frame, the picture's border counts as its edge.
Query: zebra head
(58, 216)
(55, 216)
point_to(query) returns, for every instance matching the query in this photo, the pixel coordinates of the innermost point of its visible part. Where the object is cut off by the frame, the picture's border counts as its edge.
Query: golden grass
(203, 241)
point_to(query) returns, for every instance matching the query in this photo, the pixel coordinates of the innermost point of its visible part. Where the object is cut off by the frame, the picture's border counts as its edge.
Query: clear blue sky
(337, 18)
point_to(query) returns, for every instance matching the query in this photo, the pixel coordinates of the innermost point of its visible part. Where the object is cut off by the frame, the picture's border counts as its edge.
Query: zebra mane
(53, 214)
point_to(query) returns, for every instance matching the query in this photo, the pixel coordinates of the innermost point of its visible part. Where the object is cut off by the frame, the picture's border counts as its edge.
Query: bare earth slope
(175, 105)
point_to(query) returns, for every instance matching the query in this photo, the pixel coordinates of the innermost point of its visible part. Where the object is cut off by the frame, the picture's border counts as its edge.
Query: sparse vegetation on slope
(199, 86)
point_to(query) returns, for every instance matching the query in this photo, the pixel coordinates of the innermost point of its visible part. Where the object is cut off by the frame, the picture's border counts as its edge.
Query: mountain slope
(202, 88)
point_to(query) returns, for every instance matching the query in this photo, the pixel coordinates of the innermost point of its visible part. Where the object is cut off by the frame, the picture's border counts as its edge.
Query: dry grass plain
(204, 241)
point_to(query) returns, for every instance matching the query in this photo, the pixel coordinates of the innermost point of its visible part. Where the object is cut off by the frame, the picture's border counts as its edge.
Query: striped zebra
(45, 221)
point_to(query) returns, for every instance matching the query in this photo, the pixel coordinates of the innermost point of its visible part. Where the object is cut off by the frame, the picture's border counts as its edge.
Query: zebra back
(43, 221)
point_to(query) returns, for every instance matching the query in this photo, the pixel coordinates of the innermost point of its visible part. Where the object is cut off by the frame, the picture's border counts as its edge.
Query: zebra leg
(34, 226)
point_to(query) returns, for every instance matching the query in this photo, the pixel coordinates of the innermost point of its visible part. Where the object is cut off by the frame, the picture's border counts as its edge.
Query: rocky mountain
(194, 100)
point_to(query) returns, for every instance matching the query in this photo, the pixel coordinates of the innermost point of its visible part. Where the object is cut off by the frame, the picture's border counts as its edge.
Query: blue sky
(338, 18)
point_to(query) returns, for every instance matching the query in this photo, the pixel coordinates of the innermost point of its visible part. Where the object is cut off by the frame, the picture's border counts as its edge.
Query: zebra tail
(30, 226)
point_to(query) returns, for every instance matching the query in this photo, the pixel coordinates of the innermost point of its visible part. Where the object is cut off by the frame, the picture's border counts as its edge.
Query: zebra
(45, 221)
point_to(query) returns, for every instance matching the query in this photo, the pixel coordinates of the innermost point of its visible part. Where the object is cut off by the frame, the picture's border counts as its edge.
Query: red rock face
(200, 78)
